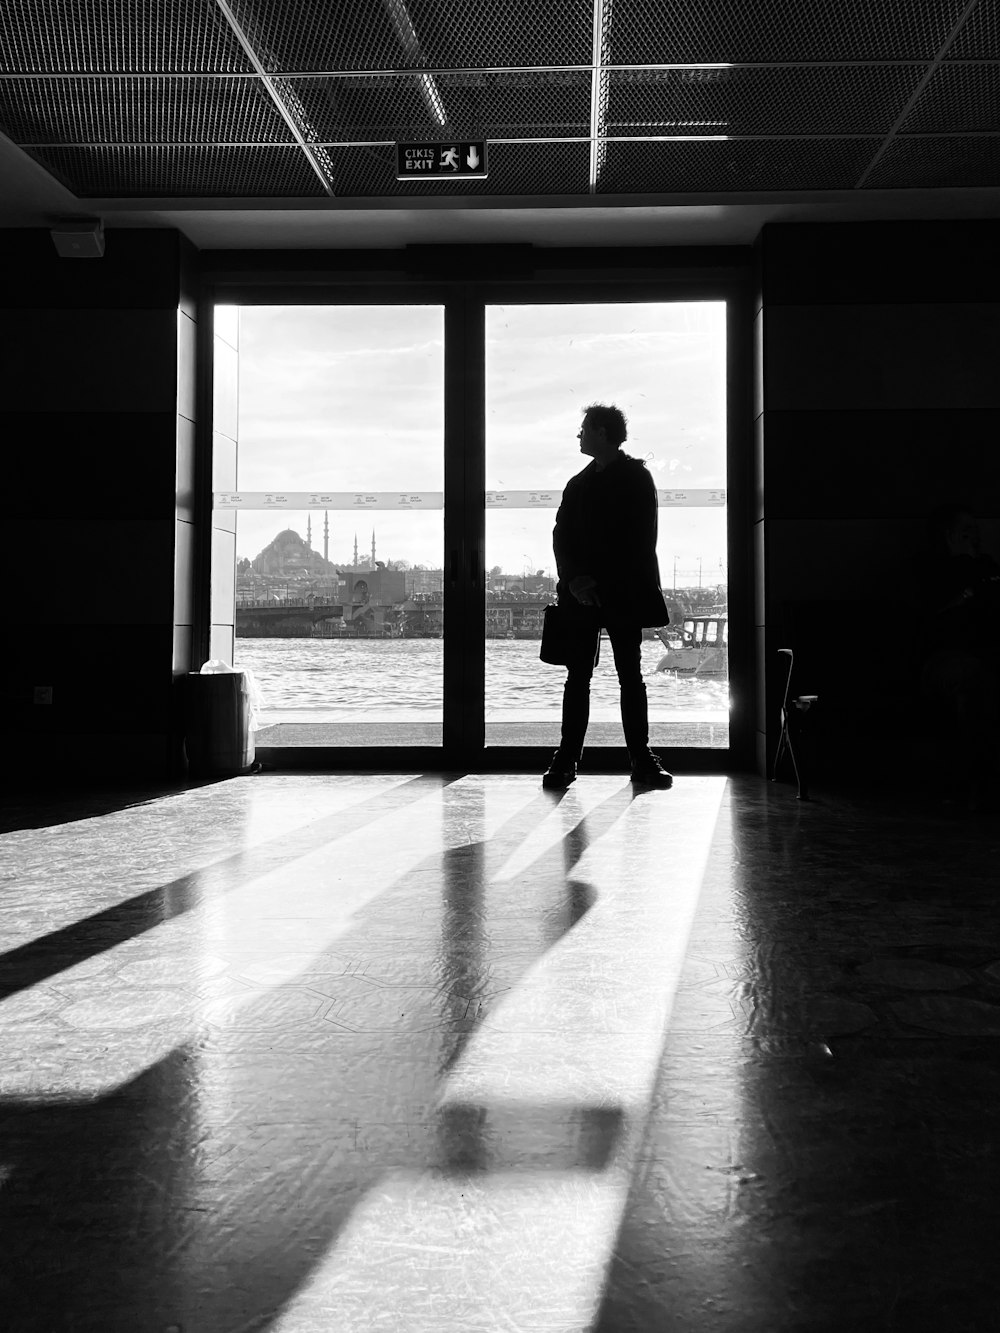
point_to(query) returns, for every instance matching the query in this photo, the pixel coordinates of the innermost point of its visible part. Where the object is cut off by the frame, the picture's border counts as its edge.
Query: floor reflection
(375, 1051)
(196, 1168)
(819, 1154)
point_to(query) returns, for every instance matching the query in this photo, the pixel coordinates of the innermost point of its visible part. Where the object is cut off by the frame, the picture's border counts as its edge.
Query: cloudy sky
(351, 399)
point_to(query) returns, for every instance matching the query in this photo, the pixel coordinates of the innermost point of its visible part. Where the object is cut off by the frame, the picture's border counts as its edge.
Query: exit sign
(441, 161)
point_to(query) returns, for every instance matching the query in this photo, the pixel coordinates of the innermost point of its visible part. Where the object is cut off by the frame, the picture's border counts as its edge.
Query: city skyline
(351, 399)
(704, 569)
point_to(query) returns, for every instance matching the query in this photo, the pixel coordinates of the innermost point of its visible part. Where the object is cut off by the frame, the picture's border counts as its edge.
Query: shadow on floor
(202, 1193)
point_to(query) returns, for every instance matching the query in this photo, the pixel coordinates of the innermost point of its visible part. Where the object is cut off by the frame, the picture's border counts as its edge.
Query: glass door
(394, 461)
(338, 509)
(664, 365)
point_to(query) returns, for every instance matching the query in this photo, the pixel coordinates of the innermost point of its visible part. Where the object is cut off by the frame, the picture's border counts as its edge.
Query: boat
(702, 648)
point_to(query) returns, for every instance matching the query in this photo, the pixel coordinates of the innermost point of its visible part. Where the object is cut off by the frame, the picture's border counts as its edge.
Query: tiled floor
(366, 1052)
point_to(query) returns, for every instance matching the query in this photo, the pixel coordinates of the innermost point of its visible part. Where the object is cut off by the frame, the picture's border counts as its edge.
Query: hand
(584, 589)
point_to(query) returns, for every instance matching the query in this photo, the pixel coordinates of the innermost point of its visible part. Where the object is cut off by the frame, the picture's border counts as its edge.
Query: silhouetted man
(605, 548)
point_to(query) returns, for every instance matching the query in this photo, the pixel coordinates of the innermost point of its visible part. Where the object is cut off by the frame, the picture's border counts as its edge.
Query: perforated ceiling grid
(232, 99)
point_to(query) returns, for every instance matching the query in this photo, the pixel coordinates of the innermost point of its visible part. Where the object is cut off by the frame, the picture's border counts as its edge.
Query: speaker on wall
(81, 239)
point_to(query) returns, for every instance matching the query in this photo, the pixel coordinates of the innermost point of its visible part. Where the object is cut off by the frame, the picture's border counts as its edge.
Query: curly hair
(611, 418)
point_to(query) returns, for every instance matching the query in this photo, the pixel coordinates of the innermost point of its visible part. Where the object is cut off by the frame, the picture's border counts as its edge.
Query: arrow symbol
(473, 158)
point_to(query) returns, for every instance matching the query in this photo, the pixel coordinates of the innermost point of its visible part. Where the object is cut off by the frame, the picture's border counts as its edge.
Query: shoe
(560, 773)
(650, 772)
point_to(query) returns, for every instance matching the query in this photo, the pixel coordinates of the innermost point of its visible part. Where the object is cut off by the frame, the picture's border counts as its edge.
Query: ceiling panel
(107, 36)
(647, 32)
(140, 110)
(980, 34)
(790, 100)
(179, 172)
(316, 35)
(734, 166)
(473, 104)
(319, 36)
(936, 164)
(959, 96)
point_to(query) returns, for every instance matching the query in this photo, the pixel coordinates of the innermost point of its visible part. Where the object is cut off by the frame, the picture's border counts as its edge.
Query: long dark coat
(606, 527)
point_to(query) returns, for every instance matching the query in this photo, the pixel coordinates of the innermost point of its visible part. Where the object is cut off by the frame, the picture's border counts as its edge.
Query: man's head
(610, 419)
(604, 429)
(954, 530)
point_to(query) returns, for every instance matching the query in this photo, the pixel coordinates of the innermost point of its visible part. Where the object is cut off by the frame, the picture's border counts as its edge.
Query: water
(397, 678)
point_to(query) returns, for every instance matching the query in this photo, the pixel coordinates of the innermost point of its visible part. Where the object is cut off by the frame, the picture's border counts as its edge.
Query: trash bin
(217, 732)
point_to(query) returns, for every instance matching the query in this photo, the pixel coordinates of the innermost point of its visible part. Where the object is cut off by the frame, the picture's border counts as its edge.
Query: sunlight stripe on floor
(514, 1249)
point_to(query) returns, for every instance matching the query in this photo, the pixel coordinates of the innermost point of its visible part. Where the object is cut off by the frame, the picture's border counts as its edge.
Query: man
(605, 548)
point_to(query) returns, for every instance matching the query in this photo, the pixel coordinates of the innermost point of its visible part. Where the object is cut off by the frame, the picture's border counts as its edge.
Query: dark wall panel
(103, 572)
(98, 396)
(868, 559)
(901, 357)
(140, 270)
(93, 465)
(89, 360)
(888, 263)
(108, 678)
(864, 464)
(878, 399)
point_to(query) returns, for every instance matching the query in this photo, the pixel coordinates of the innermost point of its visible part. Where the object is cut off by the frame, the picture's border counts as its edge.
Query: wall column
(97, 411)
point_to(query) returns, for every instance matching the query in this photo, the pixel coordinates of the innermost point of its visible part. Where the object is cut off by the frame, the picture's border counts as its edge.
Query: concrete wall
(877, 398)
(97, 411)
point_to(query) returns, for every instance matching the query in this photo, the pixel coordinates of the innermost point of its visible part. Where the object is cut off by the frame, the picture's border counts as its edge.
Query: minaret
(309, 531)
(355, 550)
(373, 548)
(326, 535)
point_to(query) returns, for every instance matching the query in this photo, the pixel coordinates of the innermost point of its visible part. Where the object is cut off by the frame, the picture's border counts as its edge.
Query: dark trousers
(626, 644)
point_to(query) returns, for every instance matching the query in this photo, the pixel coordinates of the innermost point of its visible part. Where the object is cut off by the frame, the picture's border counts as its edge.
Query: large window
(345, 457)
(664, 365)
(339, 537)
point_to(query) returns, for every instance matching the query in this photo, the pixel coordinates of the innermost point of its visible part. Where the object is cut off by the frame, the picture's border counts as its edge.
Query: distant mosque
(289, 556)
(326, 541)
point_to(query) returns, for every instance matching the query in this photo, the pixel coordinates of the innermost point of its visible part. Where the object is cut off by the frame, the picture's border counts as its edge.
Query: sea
(315, 679)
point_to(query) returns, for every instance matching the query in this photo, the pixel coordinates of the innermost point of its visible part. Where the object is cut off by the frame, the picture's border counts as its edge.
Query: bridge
(520, 616)
(283, 619)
